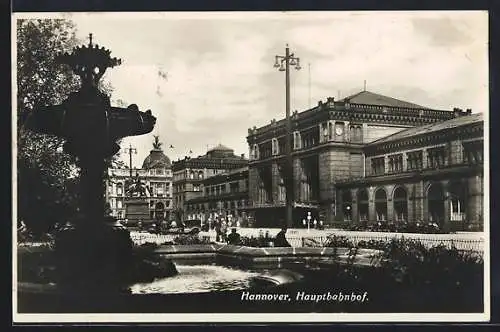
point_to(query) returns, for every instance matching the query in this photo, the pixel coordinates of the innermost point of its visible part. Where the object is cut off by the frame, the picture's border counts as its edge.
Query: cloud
(221, 80)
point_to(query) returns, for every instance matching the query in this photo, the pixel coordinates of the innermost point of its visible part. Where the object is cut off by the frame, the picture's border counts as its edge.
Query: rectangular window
(396, 163)
(378, 166)
(473, 152)
(436, 157)
(414, 160)
(196, 187)
(234, 187)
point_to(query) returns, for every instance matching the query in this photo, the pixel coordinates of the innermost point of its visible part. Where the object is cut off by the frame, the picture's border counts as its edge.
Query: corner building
(327, 148)
(432, 173)
(189, 173)
(222, 196)
(156, 174)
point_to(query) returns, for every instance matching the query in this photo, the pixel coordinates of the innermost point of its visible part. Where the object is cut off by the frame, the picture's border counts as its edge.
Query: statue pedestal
(137, 210)
(94, 258)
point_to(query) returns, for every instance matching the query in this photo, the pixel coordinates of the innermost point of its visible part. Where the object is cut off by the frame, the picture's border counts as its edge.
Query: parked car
(190, 227)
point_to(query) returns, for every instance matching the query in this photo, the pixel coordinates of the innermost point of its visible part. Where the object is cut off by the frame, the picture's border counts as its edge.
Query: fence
(476, 245)
(429, 240)
(314, 240)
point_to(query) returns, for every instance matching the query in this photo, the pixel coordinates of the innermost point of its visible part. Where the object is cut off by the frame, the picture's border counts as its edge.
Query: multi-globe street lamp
(283, 64)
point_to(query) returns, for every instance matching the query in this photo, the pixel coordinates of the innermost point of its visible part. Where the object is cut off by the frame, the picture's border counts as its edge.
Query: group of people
(234, 238)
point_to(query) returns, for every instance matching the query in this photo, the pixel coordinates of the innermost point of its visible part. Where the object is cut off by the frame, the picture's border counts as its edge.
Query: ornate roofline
(416, 175)
(213, 163)
(469, 130)
(346, 111)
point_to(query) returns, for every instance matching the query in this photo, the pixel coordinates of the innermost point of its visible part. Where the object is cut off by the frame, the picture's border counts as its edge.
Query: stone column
(390, 203)
(275, 176)
(297, 174)
(354, 206)
(410, 203)
(372, 215)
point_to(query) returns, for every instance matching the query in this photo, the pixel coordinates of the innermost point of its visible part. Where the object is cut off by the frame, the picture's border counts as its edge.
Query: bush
(256, 242)
(339, 242)
(189, 239)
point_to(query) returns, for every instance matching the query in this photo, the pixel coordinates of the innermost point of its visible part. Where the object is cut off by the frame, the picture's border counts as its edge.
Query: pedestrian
(223, 230)
(233, 238)
(280, 239)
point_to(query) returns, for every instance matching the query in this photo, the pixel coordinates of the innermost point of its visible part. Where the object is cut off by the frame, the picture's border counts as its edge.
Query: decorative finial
(157, 144)
(89, 62)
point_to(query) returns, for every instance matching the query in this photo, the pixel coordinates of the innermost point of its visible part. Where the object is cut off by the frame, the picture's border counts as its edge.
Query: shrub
(339, 242)
(190, 239)
(257, 242)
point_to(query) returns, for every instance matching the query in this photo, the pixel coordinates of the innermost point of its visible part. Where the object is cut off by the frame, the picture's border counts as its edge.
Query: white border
(223, 317)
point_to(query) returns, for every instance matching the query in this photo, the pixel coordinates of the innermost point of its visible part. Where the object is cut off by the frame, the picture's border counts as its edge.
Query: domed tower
(156, 158)
(159, 174)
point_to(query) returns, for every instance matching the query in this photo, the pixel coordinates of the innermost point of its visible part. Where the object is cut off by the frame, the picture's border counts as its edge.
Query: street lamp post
(283, 64)
(131, 151)
(308, 221)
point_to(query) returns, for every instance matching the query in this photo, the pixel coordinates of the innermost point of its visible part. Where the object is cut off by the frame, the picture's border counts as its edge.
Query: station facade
(334, 148)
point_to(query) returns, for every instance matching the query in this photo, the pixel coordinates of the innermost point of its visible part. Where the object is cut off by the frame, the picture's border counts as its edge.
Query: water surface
(198, 279)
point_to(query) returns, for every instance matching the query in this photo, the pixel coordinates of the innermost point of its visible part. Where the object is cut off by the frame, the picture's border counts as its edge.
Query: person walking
(233, 237)
(280, 239)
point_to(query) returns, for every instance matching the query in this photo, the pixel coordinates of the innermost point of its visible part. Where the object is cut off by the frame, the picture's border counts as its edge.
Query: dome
(220, 147)
(220, 151)
(156, 158)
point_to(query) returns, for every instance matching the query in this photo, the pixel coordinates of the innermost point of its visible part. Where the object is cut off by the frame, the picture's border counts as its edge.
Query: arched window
(347, 205)
(363, 206)
(200, 175)
(119, 189)
(435, 203)
(400, 200)
(381, 205)
(457, 192)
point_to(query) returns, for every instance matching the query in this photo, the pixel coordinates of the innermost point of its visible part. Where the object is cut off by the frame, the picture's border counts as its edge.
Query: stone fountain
(93, 252)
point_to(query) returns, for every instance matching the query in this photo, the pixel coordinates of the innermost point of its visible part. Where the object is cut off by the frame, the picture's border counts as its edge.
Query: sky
(208, 77)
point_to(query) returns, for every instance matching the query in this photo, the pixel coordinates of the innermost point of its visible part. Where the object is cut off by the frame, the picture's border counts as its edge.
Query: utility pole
(283, 63)
(130, 151)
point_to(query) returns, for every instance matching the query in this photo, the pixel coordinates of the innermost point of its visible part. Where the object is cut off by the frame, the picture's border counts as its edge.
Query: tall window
(436, 157)
(196, 187)
(234, 187)
(356, 133)
(414, 160)
(378, 166)
(281, 145)
(473, 152)
(119, 189)
(396, 163)
(266, 150)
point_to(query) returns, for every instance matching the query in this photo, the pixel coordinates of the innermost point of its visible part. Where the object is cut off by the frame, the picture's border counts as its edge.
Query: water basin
(198, 279)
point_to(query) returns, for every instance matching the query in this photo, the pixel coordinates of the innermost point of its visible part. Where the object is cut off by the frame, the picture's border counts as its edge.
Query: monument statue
(137, 188)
